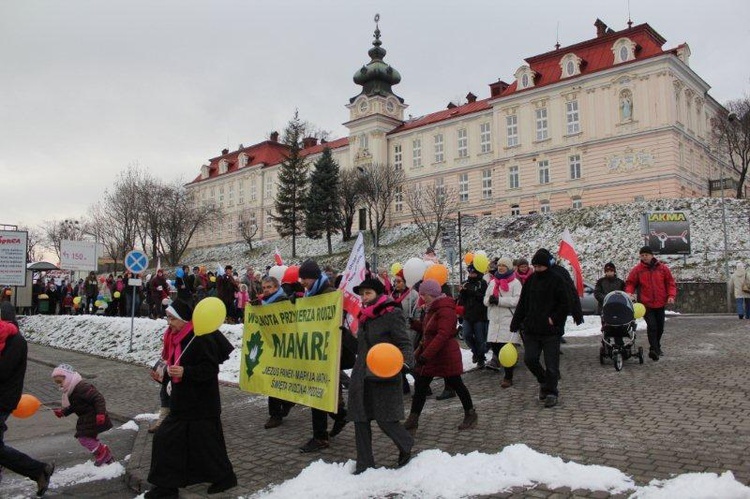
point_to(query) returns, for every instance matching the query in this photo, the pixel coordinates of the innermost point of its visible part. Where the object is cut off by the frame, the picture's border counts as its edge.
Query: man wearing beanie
(605, 285)
(316, 283)
(471, 296)
(542, 310)
(655, 287)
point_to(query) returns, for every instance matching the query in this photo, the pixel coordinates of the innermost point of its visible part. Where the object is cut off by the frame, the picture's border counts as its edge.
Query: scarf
(173, 344)
(72, 378)
(501, 282)
(274, 297)
(399, 296)
(7, 329)
(375, 310)
(317, 286)
(524, 277)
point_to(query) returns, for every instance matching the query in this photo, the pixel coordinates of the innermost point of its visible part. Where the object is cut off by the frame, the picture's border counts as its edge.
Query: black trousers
(15, 460)
(654, 327)
(320, 418)
(422, 385)
(548, 345)
(278, 408)
(496, 347)
(363, 438)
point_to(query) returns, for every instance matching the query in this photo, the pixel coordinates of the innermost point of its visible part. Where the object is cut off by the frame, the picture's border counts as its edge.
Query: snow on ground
(430, 474)
(130, 425)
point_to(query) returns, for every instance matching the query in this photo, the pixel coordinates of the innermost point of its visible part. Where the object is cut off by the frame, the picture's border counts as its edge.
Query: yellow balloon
(639, 310)
(481, 262)
(395, 268)
(117, 294)
(77, 300)
(208, 316)
(508, 355)
(98, 303)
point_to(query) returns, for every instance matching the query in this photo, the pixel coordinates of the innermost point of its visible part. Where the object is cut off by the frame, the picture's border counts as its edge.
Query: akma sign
(667, 232)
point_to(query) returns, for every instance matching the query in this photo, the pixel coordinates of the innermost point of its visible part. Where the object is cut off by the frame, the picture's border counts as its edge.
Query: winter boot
(412, 423)
(163, 413)
(470, 420)
(103, 455)
(494, 363)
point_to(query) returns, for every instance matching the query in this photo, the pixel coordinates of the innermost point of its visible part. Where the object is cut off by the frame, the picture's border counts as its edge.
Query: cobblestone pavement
(688, 412)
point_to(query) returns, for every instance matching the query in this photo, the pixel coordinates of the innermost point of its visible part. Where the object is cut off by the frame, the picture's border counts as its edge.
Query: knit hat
(543, 257)
(373, 284)
(507, 262)
(609, 266)
(646, 250)
(400, 274)
(63, 370)
(309, 270)
(430, 287)
(521, 261)
(181, 309)
(471, 269)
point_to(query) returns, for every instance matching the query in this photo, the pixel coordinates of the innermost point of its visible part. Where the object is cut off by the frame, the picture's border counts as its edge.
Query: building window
(397, 157)
(463, 143)
(269, 218)
(511, 125)
(440, 189)
(398, 199)
(515, 210)
(543, 171)
(574, 161)
(570, 67)
(416, 153)
(463, 188)
(269, 189)
(525, 81)
(577, 204)
(571, 112)
(223, 166)
(243, 160)
(485, 138)
(363, 143)
(624, 53)
(513, 180)
(253, 190)
(439, 156)
(541, 124)
(544, 207)
(487, 184)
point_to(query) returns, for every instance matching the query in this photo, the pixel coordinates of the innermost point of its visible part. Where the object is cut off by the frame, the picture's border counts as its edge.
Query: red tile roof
(445, 114)
(334, 144)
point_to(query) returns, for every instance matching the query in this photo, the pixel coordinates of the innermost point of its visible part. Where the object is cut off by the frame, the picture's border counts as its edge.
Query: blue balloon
(180, 273)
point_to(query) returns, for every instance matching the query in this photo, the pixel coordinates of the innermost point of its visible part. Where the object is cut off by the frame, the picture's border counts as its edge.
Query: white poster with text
(77, 255)
(13, 257)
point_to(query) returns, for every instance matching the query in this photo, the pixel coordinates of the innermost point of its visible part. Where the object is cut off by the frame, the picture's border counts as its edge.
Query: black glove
(493, 300)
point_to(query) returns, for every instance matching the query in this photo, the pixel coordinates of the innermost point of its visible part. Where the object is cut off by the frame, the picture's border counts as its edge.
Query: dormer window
(570, 65)
(223, 166)
(623, 50)
(524, 77)
(242, 159)
(205, 170)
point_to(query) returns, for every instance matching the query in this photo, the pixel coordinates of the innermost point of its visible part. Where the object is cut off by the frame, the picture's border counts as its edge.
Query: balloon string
(183, 352)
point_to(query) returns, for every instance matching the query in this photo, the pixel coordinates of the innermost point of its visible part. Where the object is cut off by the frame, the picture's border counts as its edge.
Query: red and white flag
(568, 252)
(353, 276)
(277, 257)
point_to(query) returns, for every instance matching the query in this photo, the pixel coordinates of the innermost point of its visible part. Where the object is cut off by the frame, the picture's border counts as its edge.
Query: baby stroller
(618, 330)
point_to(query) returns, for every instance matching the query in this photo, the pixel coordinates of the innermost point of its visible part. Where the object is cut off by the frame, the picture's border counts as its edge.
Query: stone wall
(701, 297)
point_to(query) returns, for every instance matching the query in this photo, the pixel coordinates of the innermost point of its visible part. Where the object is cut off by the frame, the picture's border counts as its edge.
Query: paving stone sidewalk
(688, 412)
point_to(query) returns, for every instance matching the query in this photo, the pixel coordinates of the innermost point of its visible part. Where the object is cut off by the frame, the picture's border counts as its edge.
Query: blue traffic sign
(136, 261)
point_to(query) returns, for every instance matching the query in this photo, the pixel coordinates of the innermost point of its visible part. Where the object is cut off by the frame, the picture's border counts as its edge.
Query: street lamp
(371, 178)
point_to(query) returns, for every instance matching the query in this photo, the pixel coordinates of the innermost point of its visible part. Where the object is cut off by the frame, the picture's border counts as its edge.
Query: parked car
(588, 302)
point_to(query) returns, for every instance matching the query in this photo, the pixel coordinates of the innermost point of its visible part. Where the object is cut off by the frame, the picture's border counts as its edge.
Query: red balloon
(385, 360)
(291, 275)
(27, 406)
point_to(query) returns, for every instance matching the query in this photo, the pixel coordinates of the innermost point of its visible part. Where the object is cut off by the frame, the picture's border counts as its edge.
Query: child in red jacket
(83, 399)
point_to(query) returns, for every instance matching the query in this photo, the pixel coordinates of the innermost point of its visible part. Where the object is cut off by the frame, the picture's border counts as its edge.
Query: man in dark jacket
(471, 297)
(542, 310)
(13, 351)
(226, 287)
(574, 301)
(316, 283)
(605, 285)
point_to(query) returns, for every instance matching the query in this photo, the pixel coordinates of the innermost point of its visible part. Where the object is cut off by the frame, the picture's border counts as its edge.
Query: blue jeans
(743, 307)
(475, 336)
(14, 460)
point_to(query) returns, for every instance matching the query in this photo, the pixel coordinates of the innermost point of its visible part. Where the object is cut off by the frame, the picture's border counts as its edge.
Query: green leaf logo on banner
(254, 351)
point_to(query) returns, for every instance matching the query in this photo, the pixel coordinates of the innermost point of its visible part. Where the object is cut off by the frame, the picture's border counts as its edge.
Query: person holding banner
(372, 397)
(278, 409)
(316, 283)
(189, 446)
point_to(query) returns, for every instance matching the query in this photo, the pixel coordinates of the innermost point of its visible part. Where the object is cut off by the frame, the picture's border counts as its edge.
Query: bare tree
(55, 231)
(430, 208)
(380, 182)
(350, 193)
(248, 226)
(34, 243)
(732, 134)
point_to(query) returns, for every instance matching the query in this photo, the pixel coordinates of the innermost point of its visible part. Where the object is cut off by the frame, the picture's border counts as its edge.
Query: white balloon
(277, 271)
(428, 263)
(414, 270)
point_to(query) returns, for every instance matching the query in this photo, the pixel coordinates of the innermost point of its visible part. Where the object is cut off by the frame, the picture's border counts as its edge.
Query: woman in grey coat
(370, 397)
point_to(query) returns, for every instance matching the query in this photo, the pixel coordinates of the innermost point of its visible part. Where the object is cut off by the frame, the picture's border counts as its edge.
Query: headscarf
(72, 378)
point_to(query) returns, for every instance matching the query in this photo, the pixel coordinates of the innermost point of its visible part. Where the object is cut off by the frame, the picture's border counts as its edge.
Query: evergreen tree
(322, 214)
(292, 185)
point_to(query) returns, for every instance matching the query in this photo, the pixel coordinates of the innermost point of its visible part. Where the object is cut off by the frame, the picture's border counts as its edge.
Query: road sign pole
(136, 262)
(132, 320)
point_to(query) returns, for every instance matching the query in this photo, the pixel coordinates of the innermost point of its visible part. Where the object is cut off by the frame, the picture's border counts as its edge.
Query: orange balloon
(385, 360)
(27, 406)
(438, 272)
(468, 258)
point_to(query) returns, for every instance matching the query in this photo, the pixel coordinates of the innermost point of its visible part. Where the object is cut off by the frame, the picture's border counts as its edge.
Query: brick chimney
(601, 28)
(309, 142)
(274, 137)
(498, 87)
(451, 105)
(470, 97)
(224, 151)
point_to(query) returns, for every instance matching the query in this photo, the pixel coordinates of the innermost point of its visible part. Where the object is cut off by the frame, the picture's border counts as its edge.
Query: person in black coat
(13, 351)
(542, 310)
(605, 285)
(471, 296)
(189, 445)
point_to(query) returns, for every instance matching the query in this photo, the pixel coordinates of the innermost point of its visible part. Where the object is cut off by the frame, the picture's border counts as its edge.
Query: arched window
(525, 81)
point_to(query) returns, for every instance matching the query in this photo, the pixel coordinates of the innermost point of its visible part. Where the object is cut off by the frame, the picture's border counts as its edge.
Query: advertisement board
(13, 245)
(77, 255)
(668, 232)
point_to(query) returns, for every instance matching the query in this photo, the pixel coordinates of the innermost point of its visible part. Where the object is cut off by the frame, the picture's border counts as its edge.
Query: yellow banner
(293, 351)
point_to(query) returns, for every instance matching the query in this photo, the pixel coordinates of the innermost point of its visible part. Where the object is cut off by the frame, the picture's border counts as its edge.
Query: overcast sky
(90, 87)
